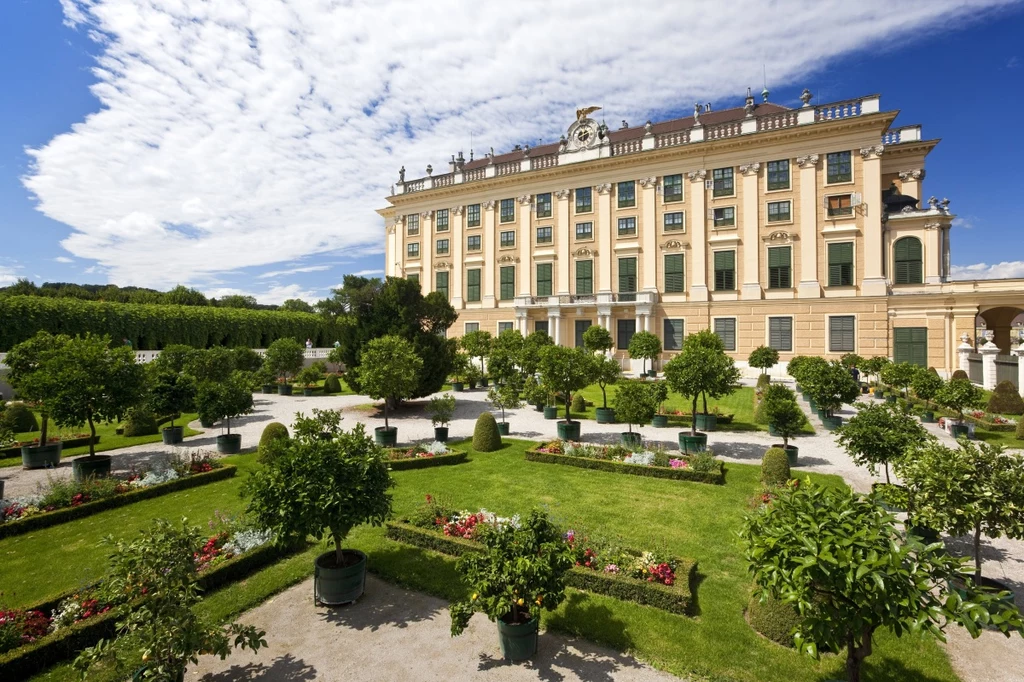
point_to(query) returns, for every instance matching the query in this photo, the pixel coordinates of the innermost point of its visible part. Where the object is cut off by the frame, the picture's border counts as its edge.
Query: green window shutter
(725, 328)
(473, 285)
(626, 329)
(910, 344)
(908, 256)
(441, 283)
(627, 275)
(584, 277)
(841, 337)
(544, 279)
(725, 270)
(779, 260)
(581, 326)
(673, 334)
(840, 264)
(780, 333)
(508, 283)
(674, 273)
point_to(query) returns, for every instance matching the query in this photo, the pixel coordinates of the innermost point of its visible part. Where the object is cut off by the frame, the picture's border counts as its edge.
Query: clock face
(583, 135)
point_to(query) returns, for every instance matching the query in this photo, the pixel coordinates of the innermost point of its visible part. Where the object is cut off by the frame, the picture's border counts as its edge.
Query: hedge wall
(424, 462)
(676, 598)
(151, 327)
(66, 514)
(713, 477)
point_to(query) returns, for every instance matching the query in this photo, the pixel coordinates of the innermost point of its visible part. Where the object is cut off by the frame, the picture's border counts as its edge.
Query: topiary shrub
(485, 436)
(760, 412)
(20, 419)
(763, 381)
(140, 423)
(331, 384)
(1005, 400)
(579, 404)
(272, 432)
(774, 619)
(960, 374)
(775, 467)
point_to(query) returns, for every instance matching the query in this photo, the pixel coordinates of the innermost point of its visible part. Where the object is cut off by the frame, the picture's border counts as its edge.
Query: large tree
(30, 378)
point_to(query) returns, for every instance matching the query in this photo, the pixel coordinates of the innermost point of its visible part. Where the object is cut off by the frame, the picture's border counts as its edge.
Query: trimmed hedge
(20, 419)
(68, 444)
(485, 434)
(992, 426)
(712, 477)
(676, 598)
(1005, 400)
(31, 659)
(775, 467)
(424, 462)
(774, 619)
(66, 514)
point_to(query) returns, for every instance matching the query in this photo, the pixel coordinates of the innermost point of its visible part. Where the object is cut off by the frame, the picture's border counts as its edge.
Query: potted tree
(607, 372)
(701, 369)
(597, 339)
(659, 393)
(325, 488)
(959, 395)
(830, 386)
(535, 393)
(565, 371)
(477, 344)
(763, 358)
(925, 384)
(472, 375)
(285, 358)
(389, 368)
(853, 363)
(225, 400)
(785, 418)
(634, 404)
(441, 409)
(34, 382)
(899, 375)
(874, 366)
(520, 573)
(170, 394)
(308, 377)
(504, 397)
(645, 346)
(266, 378)
(460, 365)
(880, 434)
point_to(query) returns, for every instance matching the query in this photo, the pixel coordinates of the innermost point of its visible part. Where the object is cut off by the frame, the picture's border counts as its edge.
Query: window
(508, 283)
(840, 334)
(472, 327)
(625, 329)
(584, 277)
(627, 227)
(581, 327)
(674, 221)
(674, 273)
(413, 250)
(473, 285)
(627, 279)
(508, 210)
(508, 238)
(673, 334)
(910, 344)
(725, 327)
(473, 243)
(723, 181)
(541, 326)
(584, 230)
(412, 224)
(504, 327)
(473, 215)
(725, 270)
(908, 261)
(544, 205)
(725, 217)
(584, 199)
(672, 188)
(780, 260)
(840, 264)
(839, 205)
(414, 277)
(778, 175)
(838, 167)
(780, 333)
(441, 218)
(442, 247)
(544, 235)
(543, 279)
(441, 283)
(626, 192)
(779, 211)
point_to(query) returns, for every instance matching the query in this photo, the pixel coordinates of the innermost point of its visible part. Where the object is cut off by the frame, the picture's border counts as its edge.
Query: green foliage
(959, 374)
(460, 367)
(29, 376)
(485, 434)
(579, 403)
(566, 371)
(635, 402)
(441, 409)
(763, 358)
(1020, 429)
(899, 375)
(273, 434)
(773, 618)
(875, 365)
(169, 393)
(763, 381)
(172, 358)
(224, 399)
(285, 357)
(644, 346)
(839, 558)
(701, 369)
(505, 397)
(926, 384)
(308, 377)
(704, 468)
(428, 462)
(140, 422)
(782, 411)
(322, 487)
(323, 425)
(521, 571)
(389, 368)
(245, 359)
(332, 384)
(775, 467)
(659, 394)
(296, 305)
(19, 418)
(477, 344)
(851, 360)
(881, 433)
(959, 395)
(1005, 400)
(163, 623)
(535, 393)
(795, 366)
(597, 339)
(209, 364)
(606, 373)
(829, 384)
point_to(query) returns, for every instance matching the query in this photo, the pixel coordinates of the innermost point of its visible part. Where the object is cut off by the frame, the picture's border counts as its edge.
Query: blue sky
(243, 148)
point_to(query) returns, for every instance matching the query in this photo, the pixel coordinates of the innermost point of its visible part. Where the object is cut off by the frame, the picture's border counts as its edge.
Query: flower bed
(656, 463)
(422, 456)
(74, 442)
(67, 500)
(990, 422)
(648, 578)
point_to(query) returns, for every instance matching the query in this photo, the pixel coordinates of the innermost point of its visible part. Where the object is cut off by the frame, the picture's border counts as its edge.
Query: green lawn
(688, 519)
(109, 440)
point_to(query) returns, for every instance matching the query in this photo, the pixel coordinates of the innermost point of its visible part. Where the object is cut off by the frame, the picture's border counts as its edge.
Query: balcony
(583, 300)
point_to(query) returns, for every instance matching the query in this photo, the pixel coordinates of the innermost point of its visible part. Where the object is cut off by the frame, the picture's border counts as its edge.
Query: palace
(804, 229)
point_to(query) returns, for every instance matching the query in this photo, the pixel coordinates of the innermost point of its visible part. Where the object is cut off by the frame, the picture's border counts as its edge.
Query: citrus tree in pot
(701, 369)
(899, 375)
(763, 358)
(830, 386)
(441, 410)
(33, 382)
(460, 367)
(785, 418)
(324, 488)
(645, 346)
(170, 393)
(959, 395)
(505, 397)
(873, 366)
(880, 434)
(926, 384)
(223, 401)
(635, 403)
(565, 371)
(477, 344)
(285, 358)
(520, 573)
(308, 377)
(389, 368)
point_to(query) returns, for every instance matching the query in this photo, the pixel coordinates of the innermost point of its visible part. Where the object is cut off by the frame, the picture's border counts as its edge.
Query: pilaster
(698, 240)
(457, 221)
(391, 250)
(525, 242)
(911, 181)
(563, 239)
(427, 282)
(874, 283)
(490, 239)
(603, 225)
(810, 287)
(933, 253)
(751, 276)
(648, 227)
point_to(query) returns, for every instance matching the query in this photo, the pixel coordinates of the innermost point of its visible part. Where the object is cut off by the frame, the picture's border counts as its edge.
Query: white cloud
(1005, 270)
(7, 275)
(292, 271)
(63, 259)
(274, 295)
(241, 133)
(367, 273)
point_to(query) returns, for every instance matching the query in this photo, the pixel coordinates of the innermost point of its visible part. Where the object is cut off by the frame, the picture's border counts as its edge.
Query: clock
(582, 134)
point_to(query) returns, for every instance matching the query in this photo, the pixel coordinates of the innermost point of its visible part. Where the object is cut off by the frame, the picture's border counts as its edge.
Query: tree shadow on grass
(878, 668)
(285, 668)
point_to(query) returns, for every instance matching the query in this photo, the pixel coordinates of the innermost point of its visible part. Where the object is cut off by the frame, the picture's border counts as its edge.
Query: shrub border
(424, 462)
(69, 443)
(58, 516)
(710, 477)
(991, 426)
(677, 598)
(35, 657)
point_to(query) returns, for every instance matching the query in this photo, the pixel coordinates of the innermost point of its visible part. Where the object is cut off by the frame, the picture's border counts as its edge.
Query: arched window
(907, 254)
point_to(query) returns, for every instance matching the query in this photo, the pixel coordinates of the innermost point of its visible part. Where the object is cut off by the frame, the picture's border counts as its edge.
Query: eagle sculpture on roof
(584, 112)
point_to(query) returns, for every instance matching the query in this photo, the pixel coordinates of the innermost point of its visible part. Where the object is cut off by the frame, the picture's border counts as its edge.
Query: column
(523, 322)
(489, 237)
(698, 240)
(1018, 352)
(871, 171)
(603, 225)
(555, 326)
(391, 252)
(648, 227)
(564, 234)
(933, 253)
(989, 351)
(809, 284)
(427, 281)
(911, 182)
(525, 243)
(751, 243)
(456, 222)
(399, 260)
